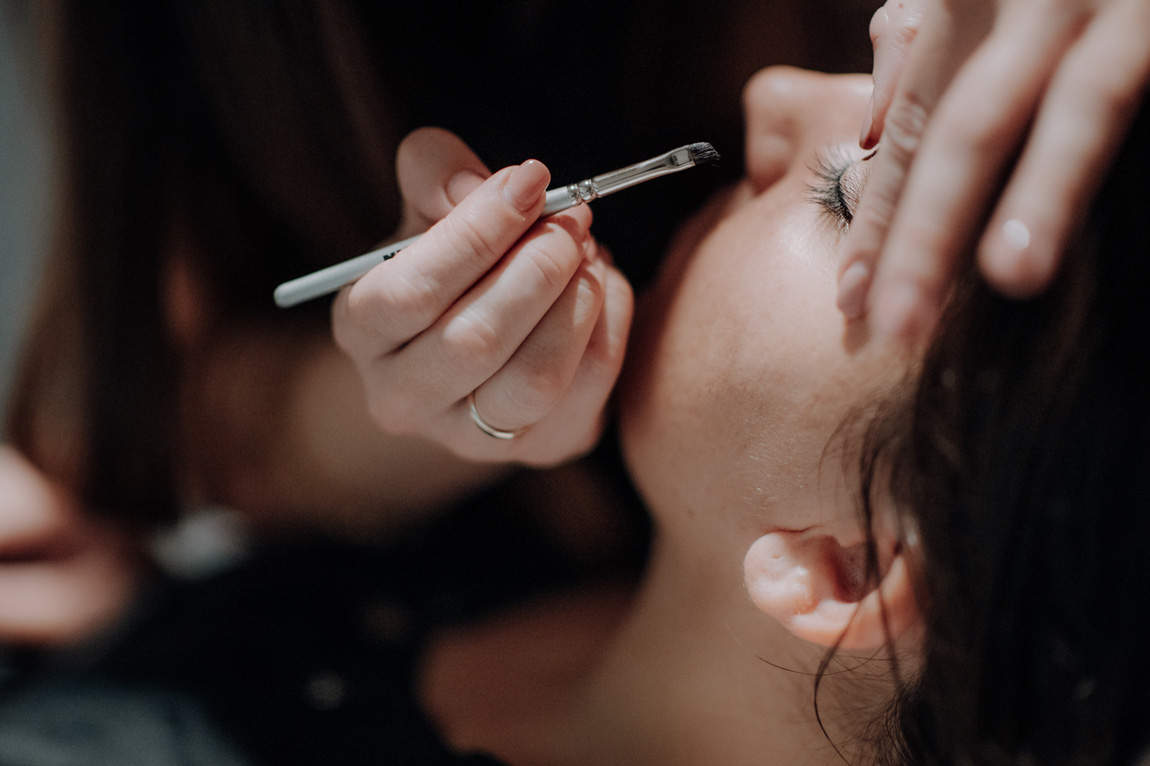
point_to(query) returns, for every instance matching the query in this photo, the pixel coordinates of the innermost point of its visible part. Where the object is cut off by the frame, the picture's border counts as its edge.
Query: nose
(771, 103)
(789, 110)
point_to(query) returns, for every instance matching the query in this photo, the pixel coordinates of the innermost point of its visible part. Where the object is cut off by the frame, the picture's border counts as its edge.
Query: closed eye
(828, 191)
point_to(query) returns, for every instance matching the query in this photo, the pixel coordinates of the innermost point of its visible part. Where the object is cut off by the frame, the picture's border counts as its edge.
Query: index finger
(941, 46)
(401, 297)
(892, 30)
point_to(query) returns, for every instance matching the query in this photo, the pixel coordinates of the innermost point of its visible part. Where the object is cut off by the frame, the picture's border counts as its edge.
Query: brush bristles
(703, 153)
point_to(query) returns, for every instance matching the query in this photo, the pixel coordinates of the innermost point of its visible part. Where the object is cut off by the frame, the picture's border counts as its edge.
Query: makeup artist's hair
(1023, 464)
(253, 132)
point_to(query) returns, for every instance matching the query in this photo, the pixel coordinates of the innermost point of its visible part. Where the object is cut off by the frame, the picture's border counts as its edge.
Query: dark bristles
(703, 153)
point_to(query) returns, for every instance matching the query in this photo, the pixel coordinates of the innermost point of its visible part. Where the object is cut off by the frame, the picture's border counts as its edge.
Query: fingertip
(899, 312)
(591, 251)
(596, 276)
(525, 187)
(1014, 261)
(581, 213)
(852, 290)
(577, 225)
(580, 218)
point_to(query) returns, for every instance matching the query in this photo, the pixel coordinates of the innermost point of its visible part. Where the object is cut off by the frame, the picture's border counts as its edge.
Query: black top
(303, 654)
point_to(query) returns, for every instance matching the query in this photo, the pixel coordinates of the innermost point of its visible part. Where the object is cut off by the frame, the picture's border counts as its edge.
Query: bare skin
(741, 370)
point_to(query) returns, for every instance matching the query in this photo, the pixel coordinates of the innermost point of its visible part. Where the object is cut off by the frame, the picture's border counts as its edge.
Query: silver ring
(484, 426)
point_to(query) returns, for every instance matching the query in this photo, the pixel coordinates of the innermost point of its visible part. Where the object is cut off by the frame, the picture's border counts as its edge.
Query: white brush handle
(332, 278)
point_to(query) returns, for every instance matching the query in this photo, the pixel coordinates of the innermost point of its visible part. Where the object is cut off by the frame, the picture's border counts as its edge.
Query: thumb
(435, 170)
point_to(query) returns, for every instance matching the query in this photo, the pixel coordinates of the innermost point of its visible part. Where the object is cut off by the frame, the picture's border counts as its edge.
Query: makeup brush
(334, 277)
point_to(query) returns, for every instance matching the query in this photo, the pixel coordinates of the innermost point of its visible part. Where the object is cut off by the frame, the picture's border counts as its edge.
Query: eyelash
(827, 192)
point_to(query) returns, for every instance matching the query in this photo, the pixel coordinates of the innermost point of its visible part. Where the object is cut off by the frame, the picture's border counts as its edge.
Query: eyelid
(840, 181)
(829, 168)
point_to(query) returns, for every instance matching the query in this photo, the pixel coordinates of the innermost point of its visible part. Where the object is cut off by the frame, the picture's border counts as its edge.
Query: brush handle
(332, 278)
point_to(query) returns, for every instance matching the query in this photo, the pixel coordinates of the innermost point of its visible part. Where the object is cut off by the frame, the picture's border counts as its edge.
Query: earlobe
(817, 588)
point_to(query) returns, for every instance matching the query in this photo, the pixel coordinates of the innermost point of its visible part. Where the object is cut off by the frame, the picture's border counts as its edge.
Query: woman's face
(742, 367)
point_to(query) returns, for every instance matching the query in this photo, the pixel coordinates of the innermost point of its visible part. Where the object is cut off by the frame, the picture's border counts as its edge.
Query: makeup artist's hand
(970, 95)
(63, 575)
(528, 315)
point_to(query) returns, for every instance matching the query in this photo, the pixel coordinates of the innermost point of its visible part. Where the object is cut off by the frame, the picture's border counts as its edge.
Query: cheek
(717, 400)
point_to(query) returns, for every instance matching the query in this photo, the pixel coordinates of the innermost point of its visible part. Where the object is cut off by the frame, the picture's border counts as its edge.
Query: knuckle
(905, 123)
(552, 266)
(466, 233)
(410, 296)
(404, 300)
(472, 346)
(601, 363)
(872, 219)
(543, 385)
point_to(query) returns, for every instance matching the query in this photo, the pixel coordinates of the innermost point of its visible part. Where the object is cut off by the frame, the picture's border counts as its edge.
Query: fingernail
(461, 184)
(1016, 234)
(865, 139)
(894, 311)
(525, 186)
(852, 290)
(1016, 264)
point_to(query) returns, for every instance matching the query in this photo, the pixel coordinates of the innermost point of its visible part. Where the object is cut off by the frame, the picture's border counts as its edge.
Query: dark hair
(258, 135)
(1023, 465)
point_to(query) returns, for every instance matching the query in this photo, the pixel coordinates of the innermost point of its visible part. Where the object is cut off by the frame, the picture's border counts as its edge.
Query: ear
(817, 588)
